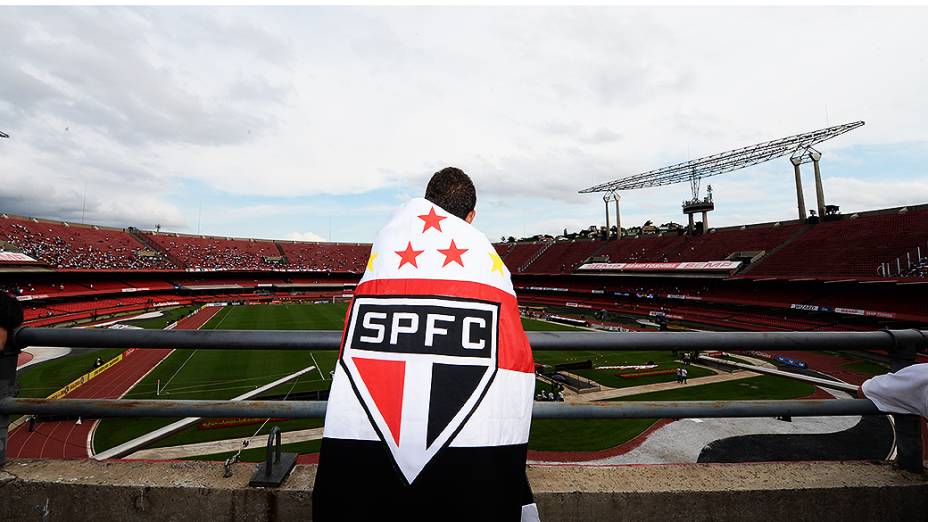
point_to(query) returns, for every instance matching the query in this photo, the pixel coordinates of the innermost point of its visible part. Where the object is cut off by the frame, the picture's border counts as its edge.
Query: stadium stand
(642, 249)
(214, 253)
(564, 256)
(72, 246)
(332, 257)
(521, 253)
(803, 276)
(719, 244)
(848, 247)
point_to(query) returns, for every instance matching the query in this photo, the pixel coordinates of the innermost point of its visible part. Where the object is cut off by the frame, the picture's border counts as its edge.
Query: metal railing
(901, 345)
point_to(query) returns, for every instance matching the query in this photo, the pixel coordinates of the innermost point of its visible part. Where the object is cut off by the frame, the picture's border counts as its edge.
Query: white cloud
(535, 103)
(858, 195)
(305, 236)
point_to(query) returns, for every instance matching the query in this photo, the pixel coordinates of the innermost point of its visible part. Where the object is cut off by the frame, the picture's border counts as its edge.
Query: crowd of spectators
(28, 288)
(214, 253)
(78, 247)
(918, 269)
(331, 257)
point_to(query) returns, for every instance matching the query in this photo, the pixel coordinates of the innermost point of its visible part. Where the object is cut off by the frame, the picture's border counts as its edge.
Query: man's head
(11, 316)
(453, 191)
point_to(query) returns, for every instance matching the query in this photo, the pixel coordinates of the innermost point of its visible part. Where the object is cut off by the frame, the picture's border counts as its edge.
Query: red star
(408, 255)
(453, 253)
(432, 220)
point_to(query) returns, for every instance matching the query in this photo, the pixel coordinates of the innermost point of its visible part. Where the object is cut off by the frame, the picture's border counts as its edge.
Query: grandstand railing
(901, 345)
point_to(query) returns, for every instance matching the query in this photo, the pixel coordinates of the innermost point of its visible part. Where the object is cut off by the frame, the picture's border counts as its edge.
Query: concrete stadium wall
(45, 490)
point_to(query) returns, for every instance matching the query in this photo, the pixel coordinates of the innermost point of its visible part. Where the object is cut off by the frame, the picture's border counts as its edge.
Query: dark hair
(11, 312)
(451, 189)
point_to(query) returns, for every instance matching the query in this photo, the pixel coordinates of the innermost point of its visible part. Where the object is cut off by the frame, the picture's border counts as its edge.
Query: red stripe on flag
(384, 380)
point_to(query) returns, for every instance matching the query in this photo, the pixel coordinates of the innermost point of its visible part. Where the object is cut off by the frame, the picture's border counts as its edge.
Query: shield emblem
(420, 367)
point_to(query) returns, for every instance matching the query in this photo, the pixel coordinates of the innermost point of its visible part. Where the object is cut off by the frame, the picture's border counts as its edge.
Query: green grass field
(592, 435)
(163, 321)
(535, 325)
(41, 380)
(870, 369)
(222, 374)
(752, 388)
(663, 360)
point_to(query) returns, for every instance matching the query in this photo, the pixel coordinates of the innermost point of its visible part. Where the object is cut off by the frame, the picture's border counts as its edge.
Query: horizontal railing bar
(330, 339)
(828, 383)
(706, 409)
(94, 408)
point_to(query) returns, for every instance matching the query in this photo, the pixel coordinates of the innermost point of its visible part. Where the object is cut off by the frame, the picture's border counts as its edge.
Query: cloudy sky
(316, 122)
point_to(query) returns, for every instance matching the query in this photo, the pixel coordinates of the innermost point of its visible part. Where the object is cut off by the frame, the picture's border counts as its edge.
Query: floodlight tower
(819, 190)
(607, 197)
(805, 155)
(796, 160)
(696, 205)
(606, 202)
(798, 147)
(618, 218)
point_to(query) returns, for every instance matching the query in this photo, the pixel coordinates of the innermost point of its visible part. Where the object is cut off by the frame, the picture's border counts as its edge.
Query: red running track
(23, 358)
(69, 440)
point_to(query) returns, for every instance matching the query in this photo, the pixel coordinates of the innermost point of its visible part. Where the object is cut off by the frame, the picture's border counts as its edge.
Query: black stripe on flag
(452, 385)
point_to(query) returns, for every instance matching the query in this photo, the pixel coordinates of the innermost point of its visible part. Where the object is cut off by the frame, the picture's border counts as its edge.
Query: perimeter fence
(900, 345)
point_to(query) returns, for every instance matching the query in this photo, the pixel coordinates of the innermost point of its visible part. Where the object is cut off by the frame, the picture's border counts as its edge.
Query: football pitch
(223, 374)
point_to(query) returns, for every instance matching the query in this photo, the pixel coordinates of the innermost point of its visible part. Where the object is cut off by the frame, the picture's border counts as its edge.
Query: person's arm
(905, 391)
(11, 317)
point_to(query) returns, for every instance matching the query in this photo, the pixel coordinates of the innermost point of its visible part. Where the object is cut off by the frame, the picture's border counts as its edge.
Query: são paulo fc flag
(430, 406)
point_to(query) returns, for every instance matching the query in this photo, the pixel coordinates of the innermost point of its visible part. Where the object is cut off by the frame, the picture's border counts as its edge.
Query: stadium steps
(142, 238)
(504, 249)
(536, 256)
(796, 235)
(283, 254)
(599, 250)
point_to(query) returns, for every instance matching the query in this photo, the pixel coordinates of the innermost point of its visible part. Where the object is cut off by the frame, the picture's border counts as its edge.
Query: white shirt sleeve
(905, 391)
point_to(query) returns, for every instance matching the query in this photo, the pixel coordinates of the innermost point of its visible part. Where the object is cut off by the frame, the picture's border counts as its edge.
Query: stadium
(660, 359)
(861, 272)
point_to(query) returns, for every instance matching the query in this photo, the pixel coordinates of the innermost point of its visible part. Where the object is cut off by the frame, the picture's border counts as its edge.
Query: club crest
(420, 367)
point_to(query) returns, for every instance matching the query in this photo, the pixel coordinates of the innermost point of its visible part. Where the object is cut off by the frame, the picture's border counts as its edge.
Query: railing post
(909, 454)
(276, 466)
(9, 354)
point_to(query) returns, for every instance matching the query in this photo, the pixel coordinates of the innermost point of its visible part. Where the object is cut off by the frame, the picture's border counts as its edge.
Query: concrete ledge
(816, 491)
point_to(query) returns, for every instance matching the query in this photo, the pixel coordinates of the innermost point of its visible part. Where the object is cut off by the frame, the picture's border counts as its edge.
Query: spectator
(472, 468)
(905, 391)
(11, 317)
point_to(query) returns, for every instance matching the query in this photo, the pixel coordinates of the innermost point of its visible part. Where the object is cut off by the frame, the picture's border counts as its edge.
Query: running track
(69, 440)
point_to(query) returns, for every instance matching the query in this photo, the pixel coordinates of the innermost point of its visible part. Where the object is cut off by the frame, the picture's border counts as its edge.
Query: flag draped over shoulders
(430, 405)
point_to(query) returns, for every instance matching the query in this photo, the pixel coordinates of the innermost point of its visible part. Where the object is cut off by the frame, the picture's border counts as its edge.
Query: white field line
(96, 423)
(219, 446)
(564, 324)
(317, 365)
(194, 352)
(152, 436)
(165, 386)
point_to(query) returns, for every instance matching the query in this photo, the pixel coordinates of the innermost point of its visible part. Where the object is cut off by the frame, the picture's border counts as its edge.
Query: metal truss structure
(798, 146)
